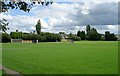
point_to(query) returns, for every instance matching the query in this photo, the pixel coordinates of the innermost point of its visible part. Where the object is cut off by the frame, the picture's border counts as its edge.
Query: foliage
(16, 35)
(6, 38)
(43, 37)
(49, 37)
(30, 37)
(62, 33)
(38, 27)
(81, 35)
(88, 29)
(109, 36)
(22, 5)
(3, 25)
(92, 33)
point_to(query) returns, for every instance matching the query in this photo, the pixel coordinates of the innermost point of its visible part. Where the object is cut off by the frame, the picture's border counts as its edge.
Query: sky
(66, 16)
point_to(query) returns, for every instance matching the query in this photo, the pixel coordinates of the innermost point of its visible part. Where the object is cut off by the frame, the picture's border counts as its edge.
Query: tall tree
(38, 27)
(88, 29)
(3, 25)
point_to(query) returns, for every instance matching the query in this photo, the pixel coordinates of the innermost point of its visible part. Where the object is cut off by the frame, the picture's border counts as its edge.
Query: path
(10, 72)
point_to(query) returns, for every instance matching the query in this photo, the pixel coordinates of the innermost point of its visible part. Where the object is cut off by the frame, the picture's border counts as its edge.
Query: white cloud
(8, 17)
(112, 27)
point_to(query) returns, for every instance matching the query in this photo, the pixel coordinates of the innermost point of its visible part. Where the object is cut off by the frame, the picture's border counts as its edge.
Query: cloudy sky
(66, 16)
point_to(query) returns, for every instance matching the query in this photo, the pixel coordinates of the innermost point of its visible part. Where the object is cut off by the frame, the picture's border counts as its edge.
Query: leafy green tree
(21, 4)
(107, 35)
(3, 25)
(6, 38)
(88, 29)
(110, 37)
(94, 35)
(81, 35)
(49, 37)
(38, 27)
(29, 36)
(16, 35)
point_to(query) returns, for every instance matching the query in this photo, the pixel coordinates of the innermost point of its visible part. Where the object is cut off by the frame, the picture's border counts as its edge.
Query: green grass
(0, 58)
(84, 57)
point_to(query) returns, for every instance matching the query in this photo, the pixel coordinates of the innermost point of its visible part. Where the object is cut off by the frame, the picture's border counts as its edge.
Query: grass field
(0, 59)
(84, 57)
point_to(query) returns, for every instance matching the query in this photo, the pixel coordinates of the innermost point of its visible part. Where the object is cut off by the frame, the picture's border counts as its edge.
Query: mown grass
(0, 59)
(84, 57)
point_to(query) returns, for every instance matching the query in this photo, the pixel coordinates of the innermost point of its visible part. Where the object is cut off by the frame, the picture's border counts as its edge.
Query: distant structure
(118, 36)
(65, 37)
(17, 37)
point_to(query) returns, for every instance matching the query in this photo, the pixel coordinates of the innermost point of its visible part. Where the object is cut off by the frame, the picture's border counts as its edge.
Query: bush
(110, 37)
(49, 37)
(6, 38)
(16, 35)
(95, 37)
(30, 37)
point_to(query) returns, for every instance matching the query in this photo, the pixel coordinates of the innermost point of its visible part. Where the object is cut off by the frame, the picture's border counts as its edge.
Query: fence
(23, 41)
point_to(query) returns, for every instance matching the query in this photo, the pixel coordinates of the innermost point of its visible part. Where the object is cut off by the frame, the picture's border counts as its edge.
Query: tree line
(91, 34)
(43, 37)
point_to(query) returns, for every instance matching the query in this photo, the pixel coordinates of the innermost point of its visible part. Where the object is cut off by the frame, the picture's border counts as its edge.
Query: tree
(16, 35)
(94, 35)
(29, 36)
(81, 35)
(6, 38)
(109, 36)
(38, 27)
(88, 29)
(49, 37)
(21, 4)
(61, 32)
(3, 25)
